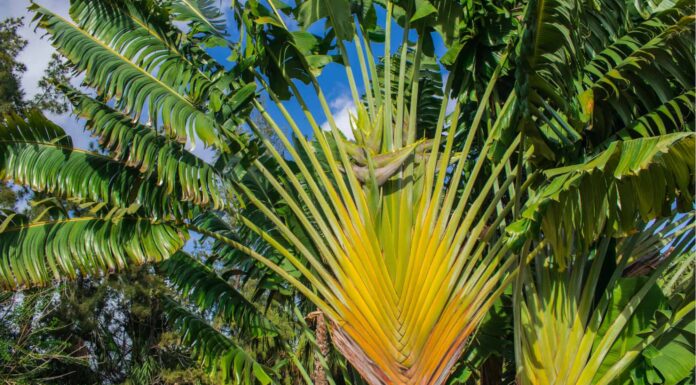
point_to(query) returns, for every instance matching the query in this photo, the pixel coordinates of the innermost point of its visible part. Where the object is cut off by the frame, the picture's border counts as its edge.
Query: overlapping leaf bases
(619, 322)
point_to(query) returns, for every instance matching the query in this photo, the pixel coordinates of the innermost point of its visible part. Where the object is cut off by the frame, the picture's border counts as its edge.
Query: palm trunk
(322, 337)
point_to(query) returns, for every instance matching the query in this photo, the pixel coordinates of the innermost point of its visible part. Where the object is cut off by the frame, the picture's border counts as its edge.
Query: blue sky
(333, 79)
(38, 53)
(36, 56)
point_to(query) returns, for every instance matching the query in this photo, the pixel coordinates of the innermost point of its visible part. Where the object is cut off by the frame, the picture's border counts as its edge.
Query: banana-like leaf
(268, 286)
(224, 360)
(179, 171)
(451, 18)
(484, 36)
(277, 52)
(37, 153)
(235, 259)
(574, 91)
(646, 176)
(337, 13)
(621, 82)
(671, 116)
(40, 253)
(203, 17)
(549, 60)
(604, 22)
(207, 290)
(126, 70)
(611, 325)
(671, 356)
(141, 30)
(32, 127)
(547, 70)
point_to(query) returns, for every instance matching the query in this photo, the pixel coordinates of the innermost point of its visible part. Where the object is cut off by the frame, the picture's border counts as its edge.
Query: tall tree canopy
(11, 94)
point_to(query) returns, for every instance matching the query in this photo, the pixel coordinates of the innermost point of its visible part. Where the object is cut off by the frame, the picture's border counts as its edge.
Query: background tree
(94, 331)
(51, 98)
(11, 94)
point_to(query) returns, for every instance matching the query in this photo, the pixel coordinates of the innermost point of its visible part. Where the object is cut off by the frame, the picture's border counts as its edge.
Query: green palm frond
(338, 12)
(604, 22)
(484, 35)
(118, 68)
(180, 172)
(202, 16)
(674, 115)
(235, 264)
(146, 42)
(209, 292)
(575, 92)
(150, 22)
(647, 176)
(549, 60)
(33, 127)
(38, 154)
(225, 361)
(40, 253)
(612, 324)
(625, 73)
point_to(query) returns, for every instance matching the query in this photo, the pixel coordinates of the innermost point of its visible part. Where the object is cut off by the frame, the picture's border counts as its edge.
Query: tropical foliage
(546, 156)
(610, 308)
(109, 330)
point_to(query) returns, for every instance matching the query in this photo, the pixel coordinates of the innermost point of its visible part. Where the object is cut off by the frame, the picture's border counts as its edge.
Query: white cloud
(37, 53)
(451, 103)
(342, 108)
(74, 127)
(206, 153)
(36, 56)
